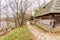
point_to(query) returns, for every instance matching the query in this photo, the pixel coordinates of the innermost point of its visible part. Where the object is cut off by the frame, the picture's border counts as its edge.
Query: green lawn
(20, 33)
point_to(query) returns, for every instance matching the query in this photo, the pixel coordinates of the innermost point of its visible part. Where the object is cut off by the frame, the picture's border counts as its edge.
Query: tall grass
(20, 33)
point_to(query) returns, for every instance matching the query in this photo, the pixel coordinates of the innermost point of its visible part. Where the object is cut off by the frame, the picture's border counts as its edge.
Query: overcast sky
(41, 2)
(34, 5)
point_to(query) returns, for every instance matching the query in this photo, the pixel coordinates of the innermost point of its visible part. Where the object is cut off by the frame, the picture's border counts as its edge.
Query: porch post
(53, 21)
(40, 19)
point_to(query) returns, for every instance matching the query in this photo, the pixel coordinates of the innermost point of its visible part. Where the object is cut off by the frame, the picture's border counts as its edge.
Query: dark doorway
(57, 20)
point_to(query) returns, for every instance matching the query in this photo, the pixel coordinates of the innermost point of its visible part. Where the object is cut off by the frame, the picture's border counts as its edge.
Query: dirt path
(41, 35)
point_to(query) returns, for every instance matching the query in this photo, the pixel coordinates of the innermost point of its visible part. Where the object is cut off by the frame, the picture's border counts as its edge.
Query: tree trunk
(15, 20)
(22, 19)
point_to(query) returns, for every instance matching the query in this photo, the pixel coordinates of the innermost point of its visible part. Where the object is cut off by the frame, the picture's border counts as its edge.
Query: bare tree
(7, 20)
(15, 20)
(41, 5)
(20, 8)
(7, 16)
(1, 8)
(0, 12)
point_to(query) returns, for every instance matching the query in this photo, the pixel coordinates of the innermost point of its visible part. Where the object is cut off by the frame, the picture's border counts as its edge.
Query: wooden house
(49, 14)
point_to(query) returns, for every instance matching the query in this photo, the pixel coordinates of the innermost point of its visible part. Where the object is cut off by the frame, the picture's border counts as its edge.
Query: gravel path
(41, 35)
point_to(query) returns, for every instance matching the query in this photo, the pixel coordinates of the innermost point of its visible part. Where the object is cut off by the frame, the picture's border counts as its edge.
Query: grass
(21, 33)
(41, 28)
(45, 30)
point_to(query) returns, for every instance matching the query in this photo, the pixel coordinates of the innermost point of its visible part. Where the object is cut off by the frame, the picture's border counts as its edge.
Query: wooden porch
(54, 17)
